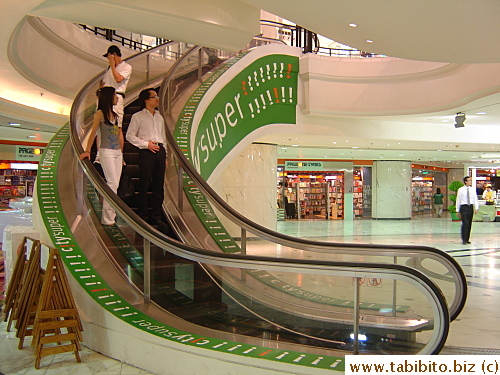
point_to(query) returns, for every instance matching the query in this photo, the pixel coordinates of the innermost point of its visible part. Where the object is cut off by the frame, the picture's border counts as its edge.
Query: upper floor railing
(289, 34)
(113, 36)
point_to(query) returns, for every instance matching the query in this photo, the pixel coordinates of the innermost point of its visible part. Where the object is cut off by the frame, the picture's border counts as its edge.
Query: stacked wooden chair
(41, 304)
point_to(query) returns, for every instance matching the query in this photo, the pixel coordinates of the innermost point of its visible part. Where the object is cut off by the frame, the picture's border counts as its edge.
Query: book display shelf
(421, 196)
(315, 195)
(15, 183)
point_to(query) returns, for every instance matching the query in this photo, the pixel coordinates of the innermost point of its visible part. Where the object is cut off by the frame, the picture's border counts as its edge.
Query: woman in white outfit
(110, 149)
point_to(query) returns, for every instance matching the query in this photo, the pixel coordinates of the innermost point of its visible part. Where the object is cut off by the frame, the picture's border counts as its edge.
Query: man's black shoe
(466, 242)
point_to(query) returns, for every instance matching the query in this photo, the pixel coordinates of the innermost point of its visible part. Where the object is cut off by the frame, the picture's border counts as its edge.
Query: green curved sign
(263, 93)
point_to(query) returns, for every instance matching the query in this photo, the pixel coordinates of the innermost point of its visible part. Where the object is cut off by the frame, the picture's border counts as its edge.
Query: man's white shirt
(145, 127)
(123, 69)
(463, 199)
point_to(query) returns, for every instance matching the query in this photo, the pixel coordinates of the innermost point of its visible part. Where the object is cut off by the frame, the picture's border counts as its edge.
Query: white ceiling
(460, 31)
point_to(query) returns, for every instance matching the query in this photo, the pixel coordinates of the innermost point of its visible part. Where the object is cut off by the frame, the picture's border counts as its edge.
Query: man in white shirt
(117, 75)
(466, 204)
(147, 132)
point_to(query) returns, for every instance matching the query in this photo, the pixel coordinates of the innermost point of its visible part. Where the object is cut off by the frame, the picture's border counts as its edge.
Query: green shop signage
(303, 165)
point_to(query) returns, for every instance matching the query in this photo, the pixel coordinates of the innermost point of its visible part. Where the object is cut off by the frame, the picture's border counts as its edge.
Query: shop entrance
(312, 195)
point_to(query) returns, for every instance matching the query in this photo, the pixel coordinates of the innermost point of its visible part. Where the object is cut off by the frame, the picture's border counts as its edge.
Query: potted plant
(454, 186)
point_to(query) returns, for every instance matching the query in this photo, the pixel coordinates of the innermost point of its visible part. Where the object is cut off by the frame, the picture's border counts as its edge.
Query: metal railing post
(200, 72)
(180, 200)
(147, 270)
(147, 68)
(355, 345)
(394, 291)
(243, 247)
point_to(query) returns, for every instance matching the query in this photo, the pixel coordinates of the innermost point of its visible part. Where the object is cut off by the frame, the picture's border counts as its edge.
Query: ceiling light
(369, 41)
(480, 113)
(31, 136)
(355, 147)
(14, 124)
(353, 25)
(334, 143)
(295, 145)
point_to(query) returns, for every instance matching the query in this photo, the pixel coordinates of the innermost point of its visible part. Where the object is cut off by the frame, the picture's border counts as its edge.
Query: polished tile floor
(476, 331)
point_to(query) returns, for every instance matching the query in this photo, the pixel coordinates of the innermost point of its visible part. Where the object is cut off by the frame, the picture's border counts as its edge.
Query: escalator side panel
(52, 169)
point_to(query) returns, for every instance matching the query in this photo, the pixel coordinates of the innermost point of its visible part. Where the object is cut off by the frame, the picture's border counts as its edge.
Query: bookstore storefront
(17, 177)
(323, 190)
(425, 182)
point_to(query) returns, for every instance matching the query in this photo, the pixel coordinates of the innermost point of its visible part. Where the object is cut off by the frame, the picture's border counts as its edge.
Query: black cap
(113, 49)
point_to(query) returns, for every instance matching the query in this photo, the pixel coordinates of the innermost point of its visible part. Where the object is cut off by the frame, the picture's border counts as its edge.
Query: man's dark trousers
(466, 213)
(151, 177)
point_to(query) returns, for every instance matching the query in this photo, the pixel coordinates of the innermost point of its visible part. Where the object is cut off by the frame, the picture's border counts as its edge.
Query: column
(248, 185)
(391, 190)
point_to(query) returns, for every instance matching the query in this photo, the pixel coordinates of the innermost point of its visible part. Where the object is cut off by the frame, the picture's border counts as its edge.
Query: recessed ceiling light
(353, 25)
(14, 124)
(295, 145)
(334, 143)
(401, 154)
(355, 147)
(439, 150)
(480, 113)
(369, 41)
(283, 148)
(445, 120)
(31, 136)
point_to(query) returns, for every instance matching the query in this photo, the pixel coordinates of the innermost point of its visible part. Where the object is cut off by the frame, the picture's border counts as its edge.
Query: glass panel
(312, 308)
(444, 271)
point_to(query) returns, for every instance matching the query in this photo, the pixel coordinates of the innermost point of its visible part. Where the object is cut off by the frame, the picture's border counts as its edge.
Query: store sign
(28, 153)
(303, 165)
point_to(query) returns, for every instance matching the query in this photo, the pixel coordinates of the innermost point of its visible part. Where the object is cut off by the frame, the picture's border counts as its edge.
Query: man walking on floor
(147, 132)
(467, 204)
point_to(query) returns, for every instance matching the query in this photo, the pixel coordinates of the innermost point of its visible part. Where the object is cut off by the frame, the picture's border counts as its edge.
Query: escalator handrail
(358, 269)
(301, 243)
(415, 277)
